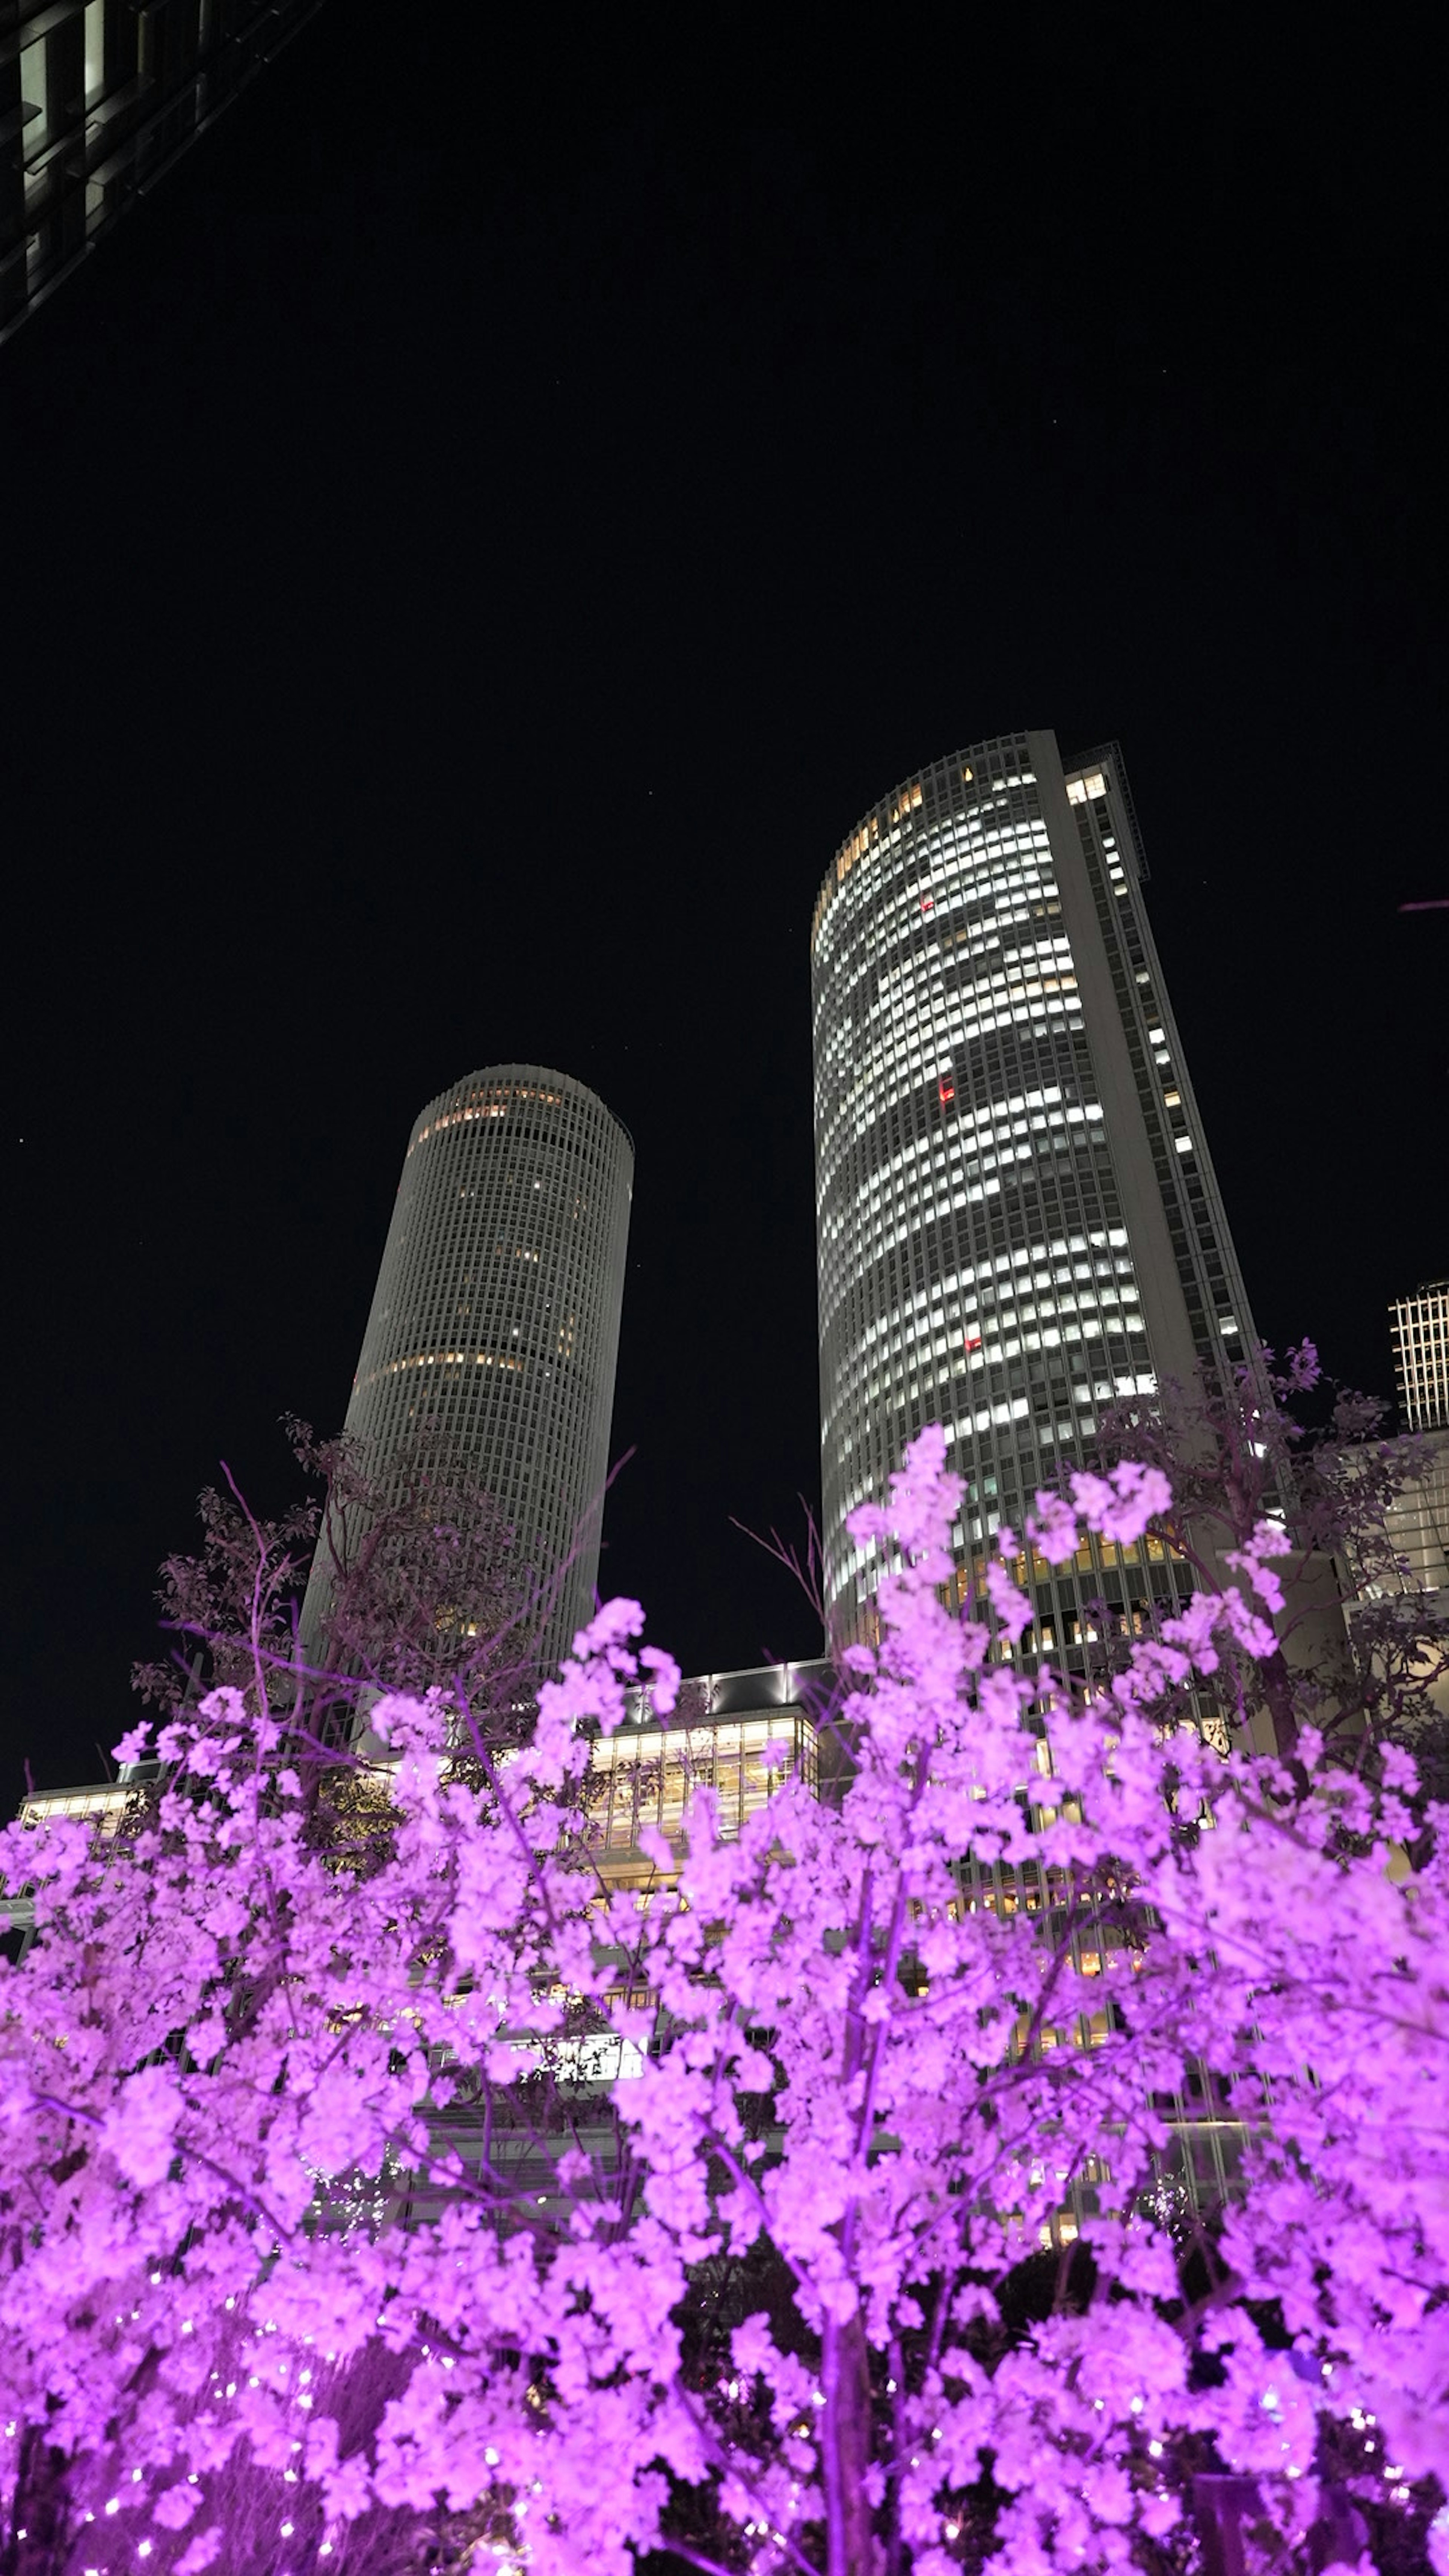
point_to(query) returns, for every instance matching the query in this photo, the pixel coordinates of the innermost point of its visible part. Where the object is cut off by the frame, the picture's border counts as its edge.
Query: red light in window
(928, 903)
(973, 1341)
(947, 1089)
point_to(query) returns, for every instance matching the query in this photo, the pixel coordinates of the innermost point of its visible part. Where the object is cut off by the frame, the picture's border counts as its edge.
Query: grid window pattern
(97, 98)
(496, 1313)
(977, 1266)
(646, 1775)
(1421, 1355)
(102, 1806)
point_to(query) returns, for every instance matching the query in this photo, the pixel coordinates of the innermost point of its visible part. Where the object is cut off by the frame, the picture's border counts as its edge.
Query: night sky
(478, 537)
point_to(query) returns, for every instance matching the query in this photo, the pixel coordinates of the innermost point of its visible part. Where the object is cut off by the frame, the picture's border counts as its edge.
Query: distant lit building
(97, 98)
(1409, 1563)
(1396, 1585)
(1417, 1525)
(1017, 1217)
(101, 1804)
(1420, 1326)
(495, 1321)
(733, 1733)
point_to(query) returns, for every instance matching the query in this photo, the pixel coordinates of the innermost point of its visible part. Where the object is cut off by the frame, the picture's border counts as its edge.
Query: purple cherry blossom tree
(423, 1586)
(1235, 1450)
(438, 2203)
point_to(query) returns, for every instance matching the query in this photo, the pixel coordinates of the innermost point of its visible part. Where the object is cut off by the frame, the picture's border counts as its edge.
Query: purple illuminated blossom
(1052, 1529)
(374, 2186)
(1269, 1539)
(1120, 1505)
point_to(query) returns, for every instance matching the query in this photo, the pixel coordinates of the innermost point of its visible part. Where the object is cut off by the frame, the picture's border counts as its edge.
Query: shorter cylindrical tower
(496, 1314)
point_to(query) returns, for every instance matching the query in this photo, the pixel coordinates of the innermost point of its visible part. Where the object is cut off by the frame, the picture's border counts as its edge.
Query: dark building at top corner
(97, 98)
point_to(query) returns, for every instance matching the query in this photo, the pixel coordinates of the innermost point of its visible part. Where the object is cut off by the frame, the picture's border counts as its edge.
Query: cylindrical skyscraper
(1017, 1220)
(496, 1313)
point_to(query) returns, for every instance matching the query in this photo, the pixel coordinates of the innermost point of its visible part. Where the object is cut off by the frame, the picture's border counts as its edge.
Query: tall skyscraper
(496, 1313)
(1017, 1216)
(97, 98)
(1420, 1327)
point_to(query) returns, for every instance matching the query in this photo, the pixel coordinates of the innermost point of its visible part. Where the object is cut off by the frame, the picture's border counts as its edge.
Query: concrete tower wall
(496, 1313)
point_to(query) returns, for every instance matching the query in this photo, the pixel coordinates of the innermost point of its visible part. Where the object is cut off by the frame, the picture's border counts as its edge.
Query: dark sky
(475, 540)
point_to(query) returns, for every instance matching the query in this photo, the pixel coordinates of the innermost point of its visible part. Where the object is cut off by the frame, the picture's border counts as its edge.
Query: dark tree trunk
(846, 2439)
(39, 2511)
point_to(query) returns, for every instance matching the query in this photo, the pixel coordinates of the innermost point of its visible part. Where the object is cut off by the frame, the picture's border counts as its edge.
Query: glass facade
(496, 1313)
(1017, 1218)
(646, 1775)
(1420, 1327)
(103, 1805)
(1415, 1535)
(734, 1733)
(97, 97)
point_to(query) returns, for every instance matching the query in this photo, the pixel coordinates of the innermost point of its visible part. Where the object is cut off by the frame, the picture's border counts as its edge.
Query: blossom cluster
(402, 2189)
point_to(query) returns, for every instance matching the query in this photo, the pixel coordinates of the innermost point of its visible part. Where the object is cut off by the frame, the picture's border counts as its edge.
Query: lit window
(35, 95)
(95, 40)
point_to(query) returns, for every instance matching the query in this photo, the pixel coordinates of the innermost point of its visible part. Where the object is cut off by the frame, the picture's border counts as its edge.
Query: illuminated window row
(925, 1374)
(997, 1123)
(990, 1114)
(1085, 1311)
(443, 1359)
(864, 1244)
(495, 1103)
(933, 981)
(646, 1776)
(873, 835)
(1083, 1250)
(866, 1096)
(842, 1160)
(1080, 1277)
(921, 950)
